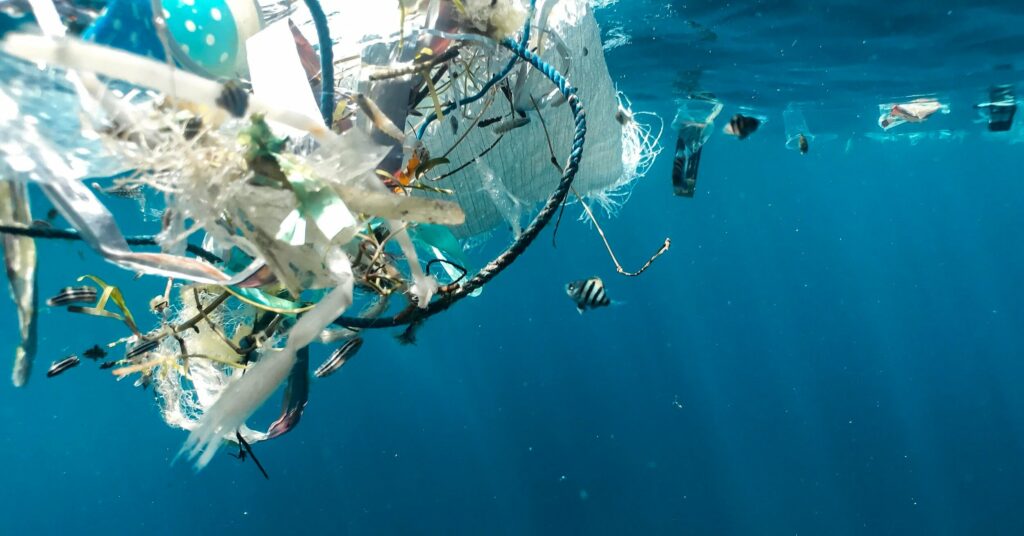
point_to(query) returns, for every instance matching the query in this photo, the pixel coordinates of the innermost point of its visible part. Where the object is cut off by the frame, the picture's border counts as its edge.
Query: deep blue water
(832, 346)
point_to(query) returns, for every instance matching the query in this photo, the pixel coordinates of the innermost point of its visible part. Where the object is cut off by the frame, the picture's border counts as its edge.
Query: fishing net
(520, 166)
(301, 161)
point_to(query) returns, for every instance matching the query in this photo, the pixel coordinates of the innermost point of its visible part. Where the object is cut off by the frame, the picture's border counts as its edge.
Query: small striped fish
(339, 357)
(742, 126)
(57, 367)
(122, 191)
(588, 294)
(71, 295)
(142, 348)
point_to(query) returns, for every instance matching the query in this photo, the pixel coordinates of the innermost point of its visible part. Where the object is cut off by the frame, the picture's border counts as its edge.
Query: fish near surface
(20, 262)
(588, 294)
(742, 126)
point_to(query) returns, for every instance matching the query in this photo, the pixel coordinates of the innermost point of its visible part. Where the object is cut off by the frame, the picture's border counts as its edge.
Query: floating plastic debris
(694, 123)
(293, 183)
(915, 111)
(508, 205)
(1000, 108)
(798, 134)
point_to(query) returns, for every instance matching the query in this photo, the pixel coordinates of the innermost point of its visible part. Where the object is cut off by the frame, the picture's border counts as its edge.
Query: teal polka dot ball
(205, 35)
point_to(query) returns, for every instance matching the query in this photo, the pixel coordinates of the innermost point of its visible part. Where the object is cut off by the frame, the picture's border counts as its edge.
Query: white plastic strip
(277, 75)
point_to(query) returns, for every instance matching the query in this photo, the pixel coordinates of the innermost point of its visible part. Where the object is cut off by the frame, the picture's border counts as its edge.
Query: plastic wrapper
(915, 111)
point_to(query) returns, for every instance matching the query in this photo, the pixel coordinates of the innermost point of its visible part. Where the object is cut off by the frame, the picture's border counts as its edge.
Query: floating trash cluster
(315, 170)
(697, 112)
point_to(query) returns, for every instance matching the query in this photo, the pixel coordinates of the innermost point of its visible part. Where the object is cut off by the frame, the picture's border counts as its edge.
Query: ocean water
(831, 346)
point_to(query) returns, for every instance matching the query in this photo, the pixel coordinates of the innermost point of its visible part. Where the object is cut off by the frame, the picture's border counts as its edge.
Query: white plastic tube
(77, 54)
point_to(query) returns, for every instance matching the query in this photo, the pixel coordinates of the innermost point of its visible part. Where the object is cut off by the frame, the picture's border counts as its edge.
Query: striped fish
(142, 348)
(339, 357)
(72, 295)
(57, 367)
(122, 191)
(588, 294)
(742, 126)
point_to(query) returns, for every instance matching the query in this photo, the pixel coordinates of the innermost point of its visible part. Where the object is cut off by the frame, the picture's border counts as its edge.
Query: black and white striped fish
(57, 367)
(588, 294)
(142, 347)
(742, 126)
(339, 357)
(72, 295)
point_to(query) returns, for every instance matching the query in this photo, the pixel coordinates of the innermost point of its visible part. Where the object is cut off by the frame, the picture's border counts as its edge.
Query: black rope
(459, 267)
(70, 234)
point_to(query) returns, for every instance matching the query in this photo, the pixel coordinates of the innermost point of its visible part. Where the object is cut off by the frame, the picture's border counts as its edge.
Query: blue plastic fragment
(205, 33)
(127, 25)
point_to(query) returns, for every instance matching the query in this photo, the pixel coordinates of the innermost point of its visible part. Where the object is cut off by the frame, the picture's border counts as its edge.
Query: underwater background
(832, 345)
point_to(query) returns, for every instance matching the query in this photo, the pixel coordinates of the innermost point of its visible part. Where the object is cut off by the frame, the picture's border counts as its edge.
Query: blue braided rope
(323, 36)
(519, 245)
(524, 40)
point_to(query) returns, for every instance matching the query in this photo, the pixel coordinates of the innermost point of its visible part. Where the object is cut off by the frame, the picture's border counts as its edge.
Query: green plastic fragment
(260, 140)
(293, 229)
(440, 237)
(268, 302)
(110, 293)
(317, 203)
(440, 241)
